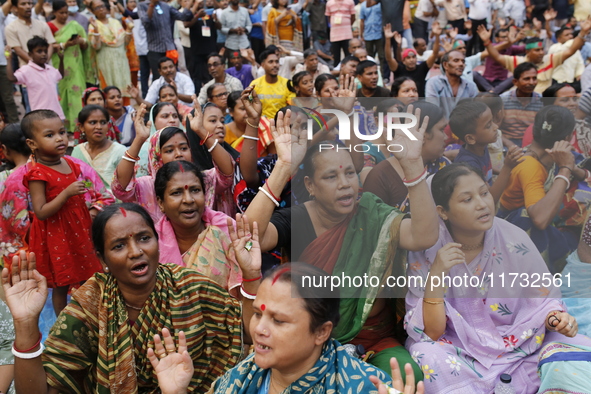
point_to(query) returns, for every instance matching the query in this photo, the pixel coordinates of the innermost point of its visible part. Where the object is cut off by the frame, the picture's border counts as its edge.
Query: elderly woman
(99, 342)
(464, 336)
(285, 308)
(346, 236)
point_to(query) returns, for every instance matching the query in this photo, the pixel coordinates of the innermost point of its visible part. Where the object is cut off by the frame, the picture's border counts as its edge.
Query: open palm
(249, 257)
(411, 149)
(174, 369)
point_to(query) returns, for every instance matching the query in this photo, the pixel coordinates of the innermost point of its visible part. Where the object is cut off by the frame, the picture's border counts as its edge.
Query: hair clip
(547, 126)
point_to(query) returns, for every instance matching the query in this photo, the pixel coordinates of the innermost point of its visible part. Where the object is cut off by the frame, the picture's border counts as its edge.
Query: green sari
(77, 72)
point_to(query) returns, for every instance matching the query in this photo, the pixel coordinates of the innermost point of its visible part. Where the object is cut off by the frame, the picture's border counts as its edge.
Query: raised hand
(411, 148)
(282, 135)
(398, 38)
(586, 25)
(453, 33)
(436, 29)
(174, 368)
(388, 33)
(468, 24)
(195, 120)
(550, 14)
(25, 290)
(142, 130)
(345, 94)
(246, 246)
(134, 92)
(484, 33)
(92, 22)
(252, 103)
(397, 382)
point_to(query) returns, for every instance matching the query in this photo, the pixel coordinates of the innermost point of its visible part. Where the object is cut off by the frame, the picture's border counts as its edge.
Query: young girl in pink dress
(60, 232)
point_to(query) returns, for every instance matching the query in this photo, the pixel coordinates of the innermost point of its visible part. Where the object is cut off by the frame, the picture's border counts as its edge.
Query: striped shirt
(159, 27)
(545, 68)
(517, 116)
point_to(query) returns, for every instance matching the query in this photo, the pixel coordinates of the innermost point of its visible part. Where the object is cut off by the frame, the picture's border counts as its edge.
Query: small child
(40, 78)
(60, 230)
(495, 103)
(472, 122)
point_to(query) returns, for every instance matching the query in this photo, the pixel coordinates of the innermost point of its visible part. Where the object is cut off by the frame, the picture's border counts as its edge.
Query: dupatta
(274, 31)
(368, 246)
(334, 372)
(92, 348)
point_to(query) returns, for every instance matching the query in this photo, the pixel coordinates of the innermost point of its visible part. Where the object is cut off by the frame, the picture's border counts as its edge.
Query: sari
(94, 348)
(17, 209)
(286, 33)
(109, 54)
(335, 372)
(6, 339)
(113, 132)
(366, 243)
(104, 163)
(77, 73)
(264, 135)
(492, 327)
(141, 190)
(564, 366)
(212, 254)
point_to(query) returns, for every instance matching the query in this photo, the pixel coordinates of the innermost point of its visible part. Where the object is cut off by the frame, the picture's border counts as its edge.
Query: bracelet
(351, 114)
(565, 179)
(248, 123)
(128, 159)
(128, 33)
(270, 196)
(587, 174)
(202, 142)
(270, 191)
(486, 43)
(247, 294)
(252, 280)
(213, 146)
(136, 158)
(32, 347)
(28, 356)
(416, 181)
(248, 137)
(433, 302)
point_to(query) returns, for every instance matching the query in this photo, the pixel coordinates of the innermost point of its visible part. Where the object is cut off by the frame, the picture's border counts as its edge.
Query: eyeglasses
(220, 95)
(99, 7)
(213, 65)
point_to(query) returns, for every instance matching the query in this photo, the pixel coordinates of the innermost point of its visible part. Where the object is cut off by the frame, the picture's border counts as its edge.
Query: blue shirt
(372, 19)
(483, 163)
(440, 93)
(257, 31)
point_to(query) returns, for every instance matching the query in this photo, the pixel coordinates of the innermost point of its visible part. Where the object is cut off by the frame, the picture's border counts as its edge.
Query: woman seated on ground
(95, 96)
(100, 341)
(465, 337)
(169, 94)
(236, 129)
(122, 115)
(385, 180)
(315, 363)
(538, 185)
(218, 95)
(405, 90)
(171, 144)
(193, 235)
(336, 232)
(98, 151)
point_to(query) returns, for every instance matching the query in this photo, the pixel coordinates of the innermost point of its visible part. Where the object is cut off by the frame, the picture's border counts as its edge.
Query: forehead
(166, 89)
(178, 138)
(49, 124)
(370, 70)
(179, 179)
(529, 73)
(567, 91)
(455, 55)
(167, 63)
(468, 183)
(331, 83)
(214, 59)
(272, 58)
(212, 110)
(219, 89)
(96, 114)
(167, 110)
(119, 226)
(328, 160)
(94, 95)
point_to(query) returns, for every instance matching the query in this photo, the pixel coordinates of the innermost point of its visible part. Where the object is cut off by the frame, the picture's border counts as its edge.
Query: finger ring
(162, 354)
(571, 326)
(248, 246)
(170, 351)
(392, 390)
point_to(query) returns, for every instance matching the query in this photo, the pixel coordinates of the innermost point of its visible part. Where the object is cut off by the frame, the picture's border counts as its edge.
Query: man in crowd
(572, 68)
(168, 75)
(6, 87)
(311, 64)
(236, 25)
(271, 87)
(342, 16)
(367, 75)
(246, 73)
(217, 70)
(322, 47)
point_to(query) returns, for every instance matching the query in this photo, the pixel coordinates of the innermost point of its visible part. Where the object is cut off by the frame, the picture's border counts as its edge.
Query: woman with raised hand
(101, 339)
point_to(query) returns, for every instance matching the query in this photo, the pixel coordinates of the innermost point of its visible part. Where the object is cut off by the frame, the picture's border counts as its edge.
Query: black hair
(464, 117)
(319, 301)
(166, 85)
(322, 79)
(553, 123)
(523, 67)
(492, 101)
(363, 65)
(266, 53)
(58, 5)
(13, 138)
(158, 107)
(14, 3)
(233, 99)
(168, 133)
(167, 171)
(415, 43)
(294, 111)
(445, 181)
(214, 54)
(349, 58)
(398, 83)
(503, 30)
(37, 42)
(100, 222)
(28, 122)
(434, 112)
(309, 52)
(445, 58)
(313, 151)
(163, 60)
(384, 105)
(552, 91)
(211, 88)
(85, 113)
(564, 28)
(109, 88)
(295, 80)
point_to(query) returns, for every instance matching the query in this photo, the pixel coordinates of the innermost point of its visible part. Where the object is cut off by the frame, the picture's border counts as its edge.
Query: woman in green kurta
(77, 70)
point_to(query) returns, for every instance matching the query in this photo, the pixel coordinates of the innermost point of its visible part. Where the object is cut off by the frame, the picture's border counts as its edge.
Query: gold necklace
(469, 248)
(133, 307)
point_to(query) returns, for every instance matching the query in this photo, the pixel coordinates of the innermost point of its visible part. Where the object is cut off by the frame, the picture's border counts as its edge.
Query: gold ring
(170, 351)
(162, 354)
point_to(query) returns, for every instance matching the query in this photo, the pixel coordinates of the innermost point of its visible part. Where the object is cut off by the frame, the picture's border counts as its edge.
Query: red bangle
(252, 280)
(132, 157)
(412, 180)
(202, 142)
(28, 350)
(269, 190)
(250, 294)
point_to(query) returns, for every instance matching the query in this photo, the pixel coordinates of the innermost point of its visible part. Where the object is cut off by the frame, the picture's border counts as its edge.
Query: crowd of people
(176, 174)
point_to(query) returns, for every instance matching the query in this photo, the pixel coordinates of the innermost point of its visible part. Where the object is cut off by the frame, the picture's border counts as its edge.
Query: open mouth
(189, 214)
(484, 217)
(262, 348)
(346, 200)
(140, 269)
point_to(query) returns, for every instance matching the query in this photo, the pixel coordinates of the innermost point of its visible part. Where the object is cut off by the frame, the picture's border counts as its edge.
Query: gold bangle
(248, 123)
(433, 302)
